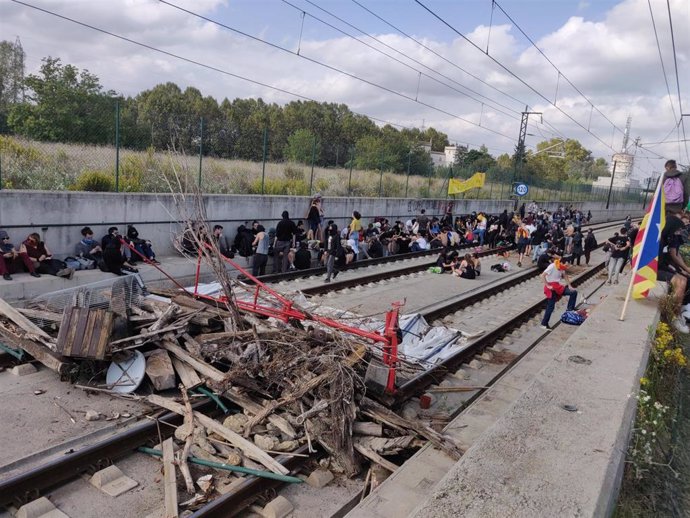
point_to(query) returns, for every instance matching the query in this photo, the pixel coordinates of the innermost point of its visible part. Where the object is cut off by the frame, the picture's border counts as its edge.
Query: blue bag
(573, 318)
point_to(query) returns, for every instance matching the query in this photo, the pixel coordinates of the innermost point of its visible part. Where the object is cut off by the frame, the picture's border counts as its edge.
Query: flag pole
(657, 192)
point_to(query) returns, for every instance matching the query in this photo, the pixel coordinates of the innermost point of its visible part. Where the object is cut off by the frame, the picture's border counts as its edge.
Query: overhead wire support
(560, 74)
(437, 54)
(513, 74)
(675, 64)
(406, 56)
(330, 67)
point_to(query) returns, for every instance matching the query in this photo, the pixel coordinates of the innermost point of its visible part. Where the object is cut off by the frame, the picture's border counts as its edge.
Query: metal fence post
(263, 165)
(117, 146)
(352, 163)
(0, 171)
(407, 178)
(613, 175)
(313, 158)
(201, 147)
(381, 178)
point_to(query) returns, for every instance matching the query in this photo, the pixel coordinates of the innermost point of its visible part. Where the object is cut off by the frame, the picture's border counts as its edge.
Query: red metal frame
(282, 309)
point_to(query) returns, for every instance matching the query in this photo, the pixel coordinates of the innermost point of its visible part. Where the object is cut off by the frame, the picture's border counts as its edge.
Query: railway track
(27, 485)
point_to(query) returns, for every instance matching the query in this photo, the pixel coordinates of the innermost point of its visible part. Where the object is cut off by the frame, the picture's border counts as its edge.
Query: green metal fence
(129, 157)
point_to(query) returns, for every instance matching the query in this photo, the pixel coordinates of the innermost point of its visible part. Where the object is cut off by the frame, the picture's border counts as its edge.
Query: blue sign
(521, 189)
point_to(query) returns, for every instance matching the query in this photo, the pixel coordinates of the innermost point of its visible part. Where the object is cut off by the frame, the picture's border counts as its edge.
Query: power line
(399, 52)
(437, 54)
(198, 63)
(336, 69)
(560, 73)
(661, 59)
(675, 63)
(513, 74)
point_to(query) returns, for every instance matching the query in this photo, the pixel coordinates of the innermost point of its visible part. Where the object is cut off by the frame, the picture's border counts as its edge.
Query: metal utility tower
(626, 134)
(520, 150)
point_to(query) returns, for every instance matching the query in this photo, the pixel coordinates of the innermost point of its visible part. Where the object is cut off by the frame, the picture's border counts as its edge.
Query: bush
(94, 181)
(293, 173)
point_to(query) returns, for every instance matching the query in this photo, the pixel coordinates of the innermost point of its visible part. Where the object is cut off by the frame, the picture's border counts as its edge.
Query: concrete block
(112, 481)
(92, 415)
(24, 369)
(475, 364)
(159, 369)
(320, 478)
(40, 508)
(279, 507)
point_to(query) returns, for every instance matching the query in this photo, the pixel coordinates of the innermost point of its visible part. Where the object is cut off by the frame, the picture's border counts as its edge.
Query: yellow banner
(476, 181)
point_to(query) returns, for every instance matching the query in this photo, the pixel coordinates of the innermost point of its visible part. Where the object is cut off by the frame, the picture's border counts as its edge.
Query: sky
(466, 67)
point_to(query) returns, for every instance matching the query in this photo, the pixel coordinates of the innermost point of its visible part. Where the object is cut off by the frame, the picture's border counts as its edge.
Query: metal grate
(116, 294)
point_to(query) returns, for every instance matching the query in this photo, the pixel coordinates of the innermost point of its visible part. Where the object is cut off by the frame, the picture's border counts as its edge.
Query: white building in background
(624, 163)
(441, 158)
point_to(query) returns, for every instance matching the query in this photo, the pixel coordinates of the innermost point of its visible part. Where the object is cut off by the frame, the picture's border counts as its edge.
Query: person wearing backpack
(674, 189)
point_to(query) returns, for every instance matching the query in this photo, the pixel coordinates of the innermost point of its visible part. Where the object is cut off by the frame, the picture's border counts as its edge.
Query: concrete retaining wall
(58, 216)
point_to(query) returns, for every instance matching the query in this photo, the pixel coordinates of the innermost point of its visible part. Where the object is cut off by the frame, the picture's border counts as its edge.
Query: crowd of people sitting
(113, 253)
(536, 233)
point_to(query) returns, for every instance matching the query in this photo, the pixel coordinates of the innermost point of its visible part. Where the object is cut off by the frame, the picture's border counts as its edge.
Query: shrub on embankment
(656, 480)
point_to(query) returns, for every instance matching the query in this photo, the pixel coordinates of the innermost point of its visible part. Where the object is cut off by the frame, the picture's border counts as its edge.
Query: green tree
(302, 146)
(11, 78)
(64, 105)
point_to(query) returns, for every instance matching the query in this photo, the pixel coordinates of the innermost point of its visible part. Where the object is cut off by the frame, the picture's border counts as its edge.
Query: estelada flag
(645, 260)
(456, 186)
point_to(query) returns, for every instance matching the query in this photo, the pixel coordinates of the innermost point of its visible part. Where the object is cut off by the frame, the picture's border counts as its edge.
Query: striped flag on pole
(645, 259)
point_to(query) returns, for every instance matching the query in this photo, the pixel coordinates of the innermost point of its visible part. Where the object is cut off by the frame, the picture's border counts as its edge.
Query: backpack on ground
(573, 318)
(673, 190)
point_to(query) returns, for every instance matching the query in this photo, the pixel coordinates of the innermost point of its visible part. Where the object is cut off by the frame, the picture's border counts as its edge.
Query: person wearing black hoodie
(333, 247)
(141, 245)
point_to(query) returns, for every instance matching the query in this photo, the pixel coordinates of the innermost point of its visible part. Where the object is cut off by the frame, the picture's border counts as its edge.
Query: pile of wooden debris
(283, 388)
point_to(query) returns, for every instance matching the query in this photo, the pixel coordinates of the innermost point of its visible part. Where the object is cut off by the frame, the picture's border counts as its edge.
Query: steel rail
(27, 485)
(299, 274)
(436, 373)
(245, 493)
(365, 279)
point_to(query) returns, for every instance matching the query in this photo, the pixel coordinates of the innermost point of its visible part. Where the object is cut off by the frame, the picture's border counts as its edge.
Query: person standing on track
(554, 289)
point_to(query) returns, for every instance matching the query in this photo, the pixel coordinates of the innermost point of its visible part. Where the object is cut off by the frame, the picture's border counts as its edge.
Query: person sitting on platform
(113, 259)
(13, 261)
(302, 257)
(88, 247)
(142, 246)
(42, 258)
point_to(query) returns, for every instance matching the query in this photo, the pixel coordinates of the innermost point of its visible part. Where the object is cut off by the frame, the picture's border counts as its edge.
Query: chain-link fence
(123, 152)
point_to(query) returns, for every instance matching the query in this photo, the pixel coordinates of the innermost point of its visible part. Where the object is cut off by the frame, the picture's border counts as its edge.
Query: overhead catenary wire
(513, 74)
(560, 72)
(198, 63)
(407, 56)
(675, 64)
(336, 69)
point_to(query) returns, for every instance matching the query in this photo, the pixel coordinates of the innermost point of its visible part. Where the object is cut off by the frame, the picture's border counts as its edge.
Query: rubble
(284, 385)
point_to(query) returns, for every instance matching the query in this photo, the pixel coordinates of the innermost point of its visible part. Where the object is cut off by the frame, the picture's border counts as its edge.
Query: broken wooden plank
(251, 406)
(182, 461)
(84, 333)
(187, 374)
(46, 316)
(169, 479)
(367, 428)
(168, 316)
(39, 351)
(375, 457)
(192, 346)
(383, 414)
(251, 450)
(202, 367)
(23, 322)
